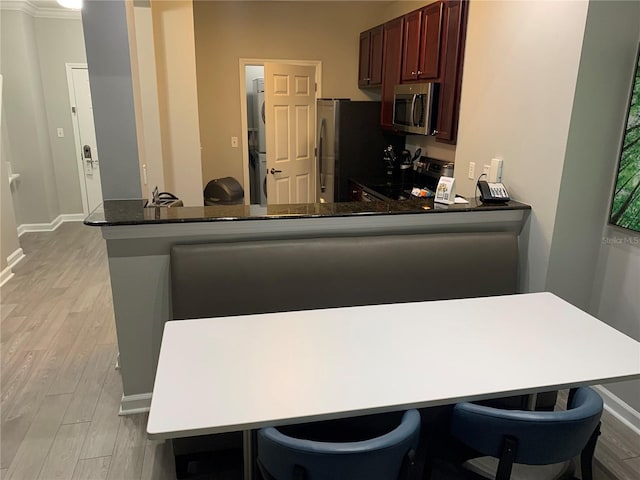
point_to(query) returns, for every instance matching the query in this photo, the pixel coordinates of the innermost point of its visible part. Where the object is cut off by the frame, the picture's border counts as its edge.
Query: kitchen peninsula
(413, 237)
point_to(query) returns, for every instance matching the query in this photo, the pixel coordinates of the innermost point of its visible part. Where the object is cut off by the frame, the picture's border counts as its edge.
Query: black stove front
(425, 173)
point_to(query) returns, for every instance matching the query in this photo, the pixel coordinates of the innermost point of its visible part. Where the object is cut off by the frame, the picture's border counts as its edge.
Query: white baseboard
(620, 409)
(5, 276)
(132, 404)
(12, 261)
(50, 227)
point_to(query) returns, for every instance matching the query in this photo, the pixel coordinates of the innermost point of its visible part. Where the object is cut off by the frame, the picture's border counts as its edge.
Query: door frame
(76, 132)
(245, 62)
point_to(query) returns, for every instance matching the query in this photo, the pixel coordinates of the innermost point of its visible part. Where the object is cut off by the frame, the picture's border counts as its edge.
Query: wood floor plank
(128, 456)
(10, 324)
(16, 344)
(16, 373)
(34, 449)
(71, 371)
(599, 473)
(623, 442)
(158, 461)
(634, 465)
(608, 459)
(92, 469)
(5, 311)
(101, 438)
(19, 408)
(85, 398)
(65, 452)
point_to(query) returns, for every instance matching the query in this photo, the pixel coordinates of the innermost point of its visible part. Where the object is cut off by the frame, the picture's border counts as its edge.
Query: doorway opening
(265, 168)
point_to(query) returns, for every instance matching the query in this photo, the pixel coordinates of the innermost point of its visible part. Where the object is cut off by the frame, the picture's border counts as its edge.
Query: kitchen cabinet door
(392, 65)
(452, 54)
(365, 55)
(422, 36)
(428, 67)
(411, 49)
(370, 64)
(375, 62)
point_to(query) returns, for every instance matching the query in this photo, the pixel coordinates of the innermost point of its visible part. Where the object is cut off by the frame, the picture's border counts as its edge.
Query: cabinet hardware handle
(413, 73)
(419, 72)
(435, 132)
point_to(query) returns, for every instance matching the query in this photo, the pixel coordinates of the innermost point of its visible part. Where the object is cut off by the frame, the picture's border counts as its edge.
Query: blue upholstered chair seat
(284, 457)
(531, 438)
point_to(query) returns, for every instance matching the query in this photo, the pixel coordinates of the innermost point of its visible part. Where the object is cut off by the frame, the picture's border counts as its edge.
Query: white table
(242, 373)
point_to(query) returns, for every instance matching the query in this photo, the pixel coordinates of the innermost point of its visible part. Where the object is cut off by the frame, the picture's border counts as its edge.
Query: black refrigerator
(350, 145)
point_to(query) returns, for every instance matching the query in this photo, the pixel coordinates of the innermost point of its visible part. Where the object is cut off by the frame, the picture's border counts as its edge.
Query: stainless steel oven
(413, 107)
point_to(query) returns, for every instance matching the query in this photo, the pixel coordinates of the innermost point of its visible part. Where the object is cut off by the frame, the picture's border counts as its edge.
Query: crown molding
(25, 6)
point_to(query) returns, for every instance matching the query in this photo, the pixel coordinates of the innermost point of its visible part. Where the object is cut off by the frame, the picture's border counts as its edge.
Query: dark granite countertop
(133, 212)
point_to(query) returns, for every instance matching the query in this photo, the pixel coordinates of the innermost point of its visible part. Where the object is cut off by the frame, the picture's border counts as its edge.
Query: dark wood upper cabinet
(428, 68)
(365, 55)
(392, 64)
(452, 55)
(411, 49)
(370, 66)
(421, 51)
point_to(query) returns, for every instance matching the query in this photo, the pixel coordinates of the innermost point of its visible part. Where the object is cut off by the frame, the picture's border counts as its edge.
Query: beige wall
(520, 72)
(228, 31)
(178, 98)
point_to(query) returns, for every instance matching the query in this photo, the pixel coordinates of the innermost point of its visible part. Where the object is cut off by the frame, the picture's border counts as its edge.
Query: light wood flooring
(60, 392)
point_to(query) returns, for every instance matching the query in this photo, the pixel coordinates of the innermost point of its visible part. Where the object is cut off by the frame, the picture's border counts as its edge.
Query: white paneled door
(290, 112)
(82, 112)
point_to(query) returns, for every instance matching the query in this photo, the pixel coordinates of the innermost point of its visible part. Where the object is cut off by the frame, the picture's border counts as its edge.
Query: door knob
(274, 171)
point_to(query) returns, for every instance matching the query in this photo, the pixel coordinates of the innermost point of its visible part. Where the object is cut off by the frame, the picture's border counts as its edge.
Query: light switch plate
(60, 132)
(495, 172)
(472, 170)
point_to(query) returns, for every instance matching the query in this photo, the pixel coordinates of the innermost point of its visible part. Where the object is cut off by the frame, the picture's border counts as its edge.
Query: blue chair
(532, 437)
(389, 456)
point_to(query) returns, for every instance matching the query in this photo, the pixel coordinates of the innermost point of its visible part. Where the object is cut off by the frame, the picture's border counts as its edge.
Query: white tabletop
(239, 373)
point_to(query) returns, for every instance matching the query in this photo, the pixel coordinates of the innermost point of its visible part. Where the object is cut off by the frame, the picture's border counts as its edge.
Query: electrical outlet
(472, 170)
(485, 170)
(234, 142)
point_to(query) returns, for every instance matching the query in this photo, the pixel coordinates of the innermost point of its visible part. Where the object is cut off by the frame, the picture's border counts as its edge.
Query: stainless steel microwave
(413, 108)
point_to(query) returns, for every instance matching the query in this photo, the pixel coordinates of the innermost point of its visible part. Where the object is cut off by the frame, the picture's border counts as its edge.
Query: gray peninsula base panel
(139, 264)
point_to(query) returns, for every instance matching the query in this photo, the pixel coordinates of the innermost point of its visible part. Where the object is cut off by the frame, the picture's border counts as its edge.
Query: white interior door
(290, 111)
(82, 111)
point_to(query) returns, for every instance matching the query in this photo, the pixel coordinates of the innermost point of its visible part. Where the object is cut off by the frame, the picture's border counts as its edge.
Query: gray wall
(615, 295)
(35, 197)
(597, 121)
(8, 233)
(107, 46)
(33, 57)
(59, 42)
